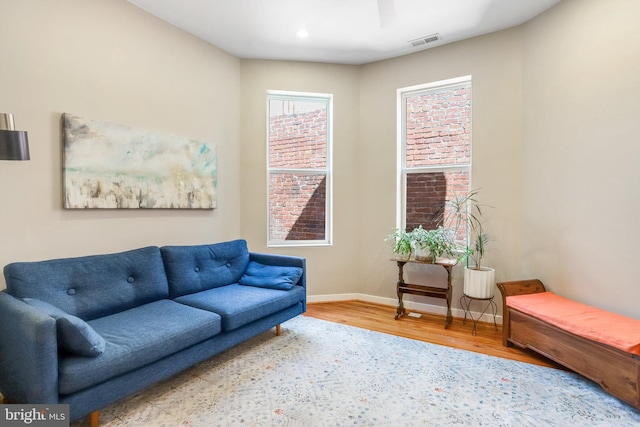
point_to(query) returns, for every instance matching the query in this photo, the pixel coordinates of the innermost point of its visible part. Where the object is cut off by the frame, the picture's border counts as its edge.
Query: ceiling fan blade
(387, 12)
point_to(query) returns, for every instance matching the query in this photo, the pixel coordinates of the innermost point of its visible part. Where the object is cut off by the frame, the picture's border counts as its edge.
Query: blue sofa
(89, 331)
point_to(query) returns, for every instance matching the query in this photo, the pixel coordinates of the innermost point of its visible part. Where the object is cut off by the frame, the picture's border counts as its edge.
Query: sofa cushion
(74, 334)
(92, 286)
(197, 268)
(239, 305)
(271, 276)
(135, 338)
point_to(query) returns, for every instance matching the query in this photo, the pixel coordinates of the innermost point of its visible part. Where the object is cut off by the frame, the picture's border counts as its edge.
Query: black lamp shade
(14, 145)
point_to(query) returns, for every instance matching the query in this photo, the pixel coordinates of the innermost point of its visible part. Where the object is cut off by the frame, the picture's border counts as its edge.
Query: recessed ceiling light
(302, 33)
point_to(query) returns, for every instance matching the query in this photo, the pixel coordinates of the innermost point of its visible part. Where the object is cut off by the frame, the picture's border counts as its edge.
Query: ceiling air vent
(424, 40)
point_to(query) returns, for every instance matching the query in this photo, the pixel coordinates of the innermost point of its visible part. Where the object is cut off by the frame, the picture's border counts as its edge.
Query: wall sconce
(14, 144)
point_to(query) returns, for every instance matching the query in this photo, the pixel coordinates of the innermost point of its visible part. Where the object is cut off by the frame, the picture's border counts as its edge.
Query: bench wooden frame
(616, 371)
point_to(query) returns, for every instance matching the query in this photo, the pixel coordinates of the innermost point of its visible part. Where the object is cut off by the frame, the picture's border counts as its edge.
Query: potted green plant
(466, 211)
(432, 244)
(402, 243)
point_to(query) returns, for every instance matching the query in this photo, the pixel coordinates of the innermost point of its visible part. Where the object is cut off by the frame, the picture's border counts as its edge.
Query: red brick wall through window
(438, 133)
(297, 201)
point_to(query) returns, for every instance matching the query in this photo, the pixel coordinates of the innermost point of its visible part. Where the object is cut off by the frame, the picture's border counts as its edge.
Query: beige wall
(581, 151)
(551, 101)
(554, 137)
(494, 62)
(331, 269)
(108, 60)
(365, 155)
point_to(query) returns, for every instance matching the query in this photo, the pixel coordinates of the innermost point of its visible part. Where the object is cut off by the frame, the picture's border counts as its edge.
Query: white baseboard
(409, 305)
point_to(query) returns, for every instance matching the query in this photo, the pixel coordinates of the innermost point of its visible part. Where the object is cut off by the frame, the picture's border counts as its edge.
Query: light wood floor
(429, 328)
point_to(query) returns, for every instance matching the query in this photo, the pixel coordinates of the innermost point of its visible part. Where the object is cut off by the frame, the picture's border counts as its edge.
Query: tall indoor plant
(467, 212)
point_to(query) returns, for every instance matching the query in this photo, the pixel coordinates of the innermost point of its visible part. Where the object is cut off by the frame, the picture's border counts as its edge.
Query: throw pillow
(74, 334)
(271, 276)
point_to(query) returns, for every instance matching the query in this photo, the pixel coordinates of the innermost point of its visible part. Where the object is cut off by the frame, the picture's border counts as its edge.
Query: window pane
(297, 206)
(427, 195)
(297, 134)
(438, 128)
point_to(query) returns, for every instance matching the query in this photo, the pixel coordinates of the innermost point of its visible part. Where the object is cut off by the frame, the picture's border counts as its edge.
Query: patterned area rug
(320, 373)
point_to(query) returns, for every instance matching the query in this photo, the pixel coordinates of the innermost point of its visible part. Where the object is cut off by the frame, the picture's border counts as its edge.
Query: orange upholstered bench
(602, 346)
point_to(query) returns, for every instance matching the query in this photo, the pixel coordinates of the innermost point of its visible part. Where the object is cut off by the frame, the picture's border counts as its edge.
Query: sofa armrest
(28, 353)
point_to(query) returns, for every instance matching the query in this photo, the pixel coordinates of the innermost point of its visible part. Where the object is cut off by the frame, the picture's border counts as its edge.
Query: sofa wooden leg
(94, 419)
(278, 330)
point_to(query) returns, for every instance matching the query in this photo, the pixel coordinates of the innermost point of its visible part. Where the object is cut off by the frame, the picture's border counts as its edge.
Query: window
(299, 168)
(435, 151)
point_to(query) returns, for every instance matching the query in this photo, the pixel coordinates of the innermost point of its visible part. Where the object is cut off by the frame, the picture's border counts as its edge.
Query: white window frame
(402, 170)
(327, 171)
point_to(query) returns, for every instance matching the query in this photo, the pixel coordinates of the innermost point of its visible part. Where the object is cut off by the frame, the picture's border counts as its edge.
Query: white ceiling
(340, 31)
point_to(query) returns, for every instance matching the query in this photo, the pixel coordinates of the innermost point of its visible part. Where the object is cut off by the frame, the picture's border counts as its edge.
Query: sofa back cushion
(92, 286)
(197, 268)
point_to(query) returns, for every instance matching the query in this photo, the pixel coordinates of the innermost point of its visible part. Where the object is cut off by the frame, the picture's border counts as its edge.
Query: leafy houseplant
(439, 242)
(466, 211)
(402, 243)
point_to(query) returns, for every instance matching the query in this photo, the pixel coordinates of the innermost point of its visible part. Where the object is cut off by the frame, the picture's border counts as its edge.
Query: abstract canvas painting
(112, 166)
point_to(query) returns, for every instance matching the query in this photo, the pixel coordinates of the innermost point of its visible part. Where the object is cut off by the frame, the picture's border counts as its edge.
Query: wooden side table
(424, 290)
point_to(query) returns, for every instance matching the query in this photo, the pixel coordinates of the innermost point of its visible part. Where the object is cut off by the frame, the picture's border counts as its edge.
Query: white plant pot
(479, 283)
